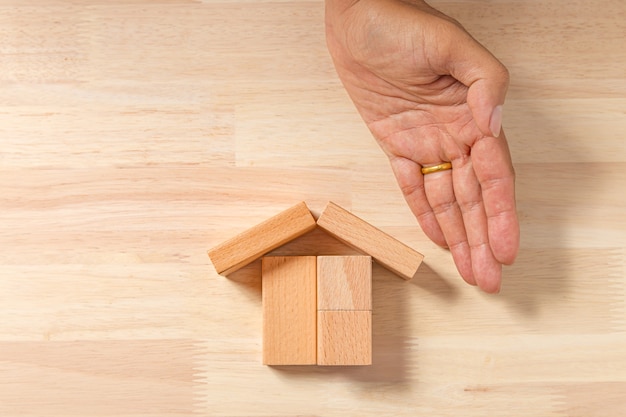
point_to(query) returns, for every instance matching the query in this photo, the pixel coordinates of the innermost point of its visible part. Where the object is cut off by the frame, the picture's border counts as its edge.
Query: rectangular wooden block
(389, 252)
(344, 338)
(255, 242)
(344, 283)
(289, 310)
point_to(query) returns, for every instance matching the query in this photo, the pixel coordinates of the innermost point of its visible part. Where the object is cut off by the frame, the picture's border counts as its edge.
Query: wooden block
(353, 231)
(255, 242)
(289, 310)
(344, 337)
(344, 283)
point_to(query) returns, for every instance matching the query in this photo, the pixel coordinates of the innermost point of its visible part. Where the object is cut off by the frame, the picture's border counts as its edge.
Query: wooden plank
(344, 338)
(386, 250)
(289, 310)
(344, 282)
(255, 242)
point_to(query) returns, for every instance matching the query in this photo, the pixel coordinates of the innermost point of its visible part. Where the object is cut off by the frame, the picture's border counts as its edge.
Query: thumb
(486, 78)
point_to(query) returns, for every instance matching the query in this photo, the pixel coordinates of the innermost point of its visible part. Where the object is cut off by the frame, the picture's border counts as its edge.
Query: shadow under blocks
(552, 195)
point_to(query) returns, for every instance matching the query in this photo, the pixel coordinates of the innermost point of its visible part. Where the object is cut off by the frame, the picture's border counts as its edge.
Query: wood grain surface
(135, 135)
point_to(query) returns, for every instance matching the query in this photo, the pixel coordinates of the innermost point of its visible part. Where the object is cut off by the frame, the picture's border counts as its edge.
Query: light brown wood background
(135, 135)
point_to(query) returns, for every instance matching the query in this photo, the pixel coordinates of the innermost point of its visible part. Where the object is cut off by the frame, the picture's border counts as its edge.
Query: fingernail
(495, 124)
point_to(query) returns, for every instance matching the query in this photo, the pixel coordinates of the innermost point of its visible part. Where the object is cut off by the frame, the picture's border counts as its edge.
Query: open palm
(430, 93)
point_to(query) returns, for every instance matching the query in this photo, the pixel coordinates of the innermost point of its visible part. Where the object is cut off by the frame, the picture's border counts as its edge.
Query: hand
(430, 93)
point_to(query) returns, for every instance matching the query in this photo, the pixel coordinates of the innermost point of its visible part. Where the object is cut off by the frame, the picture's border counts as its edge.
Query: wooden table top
(135, 135)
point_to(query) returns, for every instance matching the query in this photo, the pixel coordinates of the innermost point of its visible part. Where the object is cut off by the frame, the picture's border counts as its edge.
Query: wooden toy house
(317, 310)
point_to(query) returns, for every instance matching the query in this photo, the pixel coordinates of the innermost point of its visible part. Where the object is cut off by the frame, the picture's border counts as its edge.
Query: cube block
(344, 283)
(344, 338)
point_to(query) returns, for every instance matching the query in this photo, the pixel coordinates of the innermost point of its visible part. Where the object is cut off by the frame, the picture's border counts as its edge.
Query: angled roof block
(357, 233)
(297, 221)
(261, 239)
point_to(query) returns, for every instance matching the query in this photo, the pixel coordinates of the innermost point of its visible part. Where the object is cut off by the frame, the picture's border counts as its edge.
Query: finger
(410, 181)
(486, 268)
(440, 195)
(494, 170)
(486, 78)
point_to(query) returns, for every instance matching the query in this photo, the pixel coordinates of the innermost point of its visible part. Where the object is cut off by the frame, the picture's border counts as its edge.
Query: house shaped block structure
(317, 310)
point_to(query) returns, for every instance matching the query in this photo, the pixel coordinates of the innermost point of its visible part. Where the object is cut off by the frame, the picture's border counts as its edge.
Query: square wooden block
(344, 283)
(344, 338)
